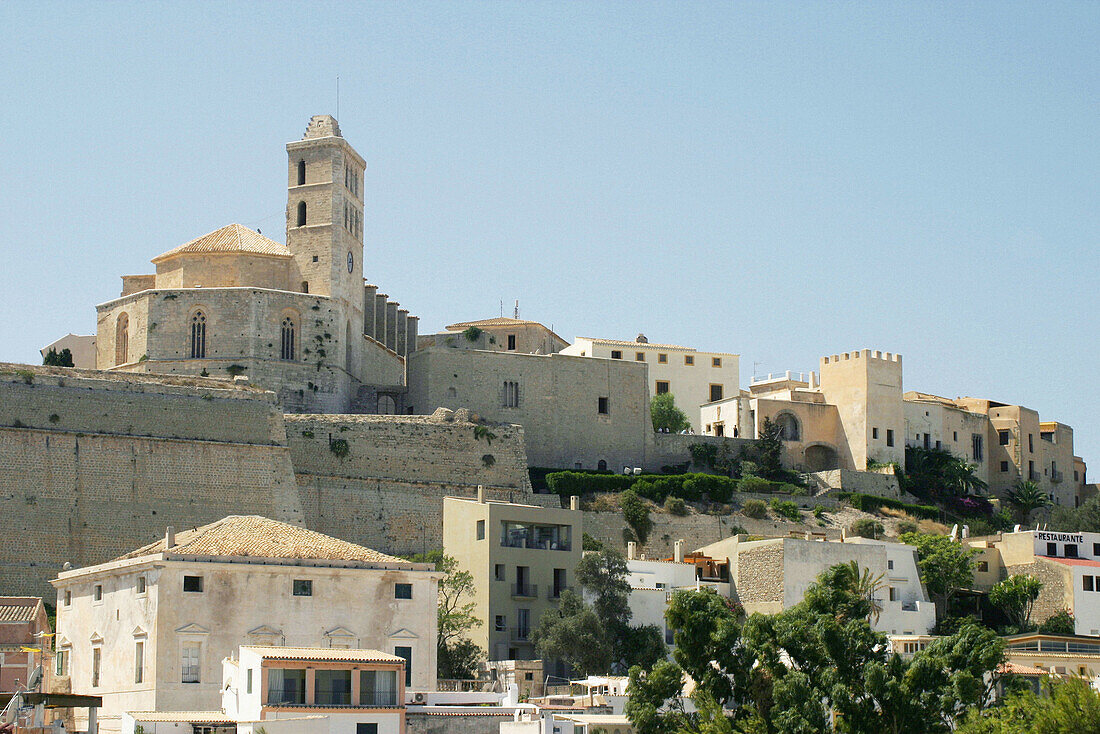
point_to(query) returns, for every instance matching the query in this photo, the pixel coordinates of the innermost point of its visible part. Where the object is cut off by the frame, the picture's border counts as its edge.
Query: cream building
(80, 346)
(521, 557)
(771, 575)
(148, 630)
(501, 334)
(693, 377)
(288, 317)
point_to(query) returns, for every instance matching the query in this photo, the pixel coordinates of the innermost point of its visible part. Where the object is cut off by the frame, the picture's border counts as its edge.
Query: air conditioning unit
(419, 697)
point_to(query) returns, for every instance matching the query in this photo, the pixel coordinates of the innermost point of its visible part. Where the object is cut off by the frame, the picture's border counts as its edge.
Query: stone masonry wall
(760, 575)
(1057, 592)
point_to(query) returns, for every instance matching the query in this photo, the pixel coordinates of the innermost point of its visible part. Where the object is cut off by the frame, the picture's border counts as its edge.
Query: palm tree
(1025, 497)
(864, 585)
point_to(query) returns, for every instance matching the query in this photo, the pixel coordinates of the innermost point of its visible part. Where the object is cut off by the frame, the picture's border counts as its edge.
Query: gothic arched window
(348, 353)
(198, 335)
(301, 214)
(122, 338)
(301, 173)
(289, 337)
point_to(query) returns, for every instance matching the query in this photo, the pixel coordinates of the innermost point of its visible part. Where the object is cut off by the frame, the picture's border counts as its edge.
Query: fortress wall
(109, 474)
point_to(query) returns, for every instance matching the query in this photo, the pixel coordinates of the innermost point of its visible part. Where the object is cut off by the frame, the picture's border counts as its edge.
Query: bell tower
(324, 223)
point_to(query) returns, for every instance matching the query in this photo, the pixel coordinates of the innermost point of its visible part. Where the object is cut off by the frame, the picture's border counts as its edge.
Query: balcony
(525, 591)
(520, 634)
(1034, 475)
(1056, 476)
(553, 593)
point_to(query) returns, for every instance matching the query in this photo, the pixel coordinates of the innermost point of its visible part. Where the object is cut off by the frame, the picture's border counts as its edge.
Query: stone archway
(821, 457)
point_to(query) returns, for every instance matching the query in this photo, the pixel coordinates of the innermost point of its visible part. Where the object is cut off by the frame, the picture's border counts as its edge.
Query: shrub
(589, 543)
(636, 514)
(676, 506)
(819, 511)
(754, 508)
(865, 527)
(1061, 623)
(751, 483)
(488, 460)
(786, 509)
(339, 446)
(872, 503)
(472, 334)
(907, 526)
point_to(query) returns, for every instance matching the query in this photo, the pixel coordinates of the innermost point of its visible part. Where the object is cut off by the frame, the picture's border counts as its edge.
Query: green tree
(1069, 707)
(574, 634)
(936, 472)
(1015, 596)
(1025, 497)
(636, 514)
(866, 527)
(945, 566)
(769, 451)
(1083, 519)
(1059, 623)
(458, 656)
(53, 358)
(665, 415)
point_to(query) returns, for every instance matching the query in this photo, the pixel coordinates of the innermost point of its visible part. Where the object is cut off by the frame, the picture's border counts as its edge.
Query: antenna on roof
(337, 96)
(502, 308)
(515, 313)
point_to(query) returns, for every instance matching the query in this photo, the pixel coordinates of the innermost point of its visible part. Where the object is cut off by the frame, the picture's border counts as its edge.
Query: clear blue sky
(778, 180)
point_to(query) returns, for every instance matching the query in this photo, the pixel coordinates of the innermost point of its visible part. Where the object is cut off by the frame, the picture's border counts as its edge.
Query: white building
(148, 631)
(693, 377)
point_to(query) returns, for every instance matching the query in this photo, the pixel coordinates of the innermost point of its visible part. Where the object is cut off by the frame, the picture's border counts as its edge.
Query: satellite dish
(35, 679)
(11, 711)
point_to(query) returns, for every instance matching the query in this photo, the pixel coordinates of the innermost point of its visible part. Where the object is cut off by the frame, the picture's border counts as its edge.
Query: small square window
(68, 597)
(1071, 550)
(1004, 466)
(1052, 549)
(983, 566)
(498, 572)
(639, 356)
(716, 362)
(97, 593)
(662, 359)
(715, 392)
(303, 587)
(140, 586)
(874, 433)
(1096, 549)
(402, 591)
(890, 565)
(954, 435)
(364, 727)
(511, 342)
(662, 387)
(192, 583)
(528, 676)
(616, 354)
(500, 623)
(315, 258)
(1002, 438)
(481, 530)
(689, 360)
(889, 436)
(603, 407)
(1087, 583)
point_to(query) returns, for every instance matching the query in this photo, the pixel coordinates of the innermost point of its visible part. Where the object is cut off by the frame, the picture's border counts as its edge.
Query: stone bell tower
(324, 224)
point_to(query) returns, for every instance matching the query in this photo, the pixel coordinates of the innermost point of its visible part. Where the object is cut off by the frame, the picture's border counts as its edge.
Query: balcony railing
(1034, 475)
(1056, 476)
(554, 592)
(532, 544)
(525, 591)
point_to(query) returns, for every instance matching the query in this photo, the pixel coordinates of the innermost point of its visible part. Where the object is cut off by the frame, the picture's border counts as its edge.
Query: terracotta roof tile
(18, 608)
(622, 343)
(259, 537)
(323, 653)
(233, 238)
(191, 717)
(499, 321)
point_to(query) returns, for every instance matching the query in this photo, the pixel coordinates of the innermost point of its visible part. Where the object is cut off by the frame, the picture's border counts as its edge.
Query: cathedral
(297, 319)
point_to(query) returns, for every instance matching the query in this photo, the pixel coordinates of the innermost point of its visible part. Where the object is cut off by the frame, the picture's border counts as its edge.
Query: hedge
(871, 503)
(655, 487)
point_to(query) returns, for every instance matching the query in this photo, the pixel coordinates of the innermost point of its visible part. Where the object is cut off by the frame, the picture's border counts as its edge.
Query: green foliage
(1015, 597)
(665, 416)
(906, 526)
(1068, 707)
(54, 418)
(1060, 623)
(819, 511)
(676, 506)
(754, 508)
(460, 659)
(458, 656)
(945, 566)
(235, 369)
(865, 527)
(1084, 519)
(769, 452)
(488, 460)
(53, 358)
(786, 509)
(1025, 497)
(655, 487)
(636, 514)
(472, 333)
(26, 375)
(573, 634)
(339, 447)
(589, 543)
(873, 503)
(936, 472)
(481, 432)
(704, 454)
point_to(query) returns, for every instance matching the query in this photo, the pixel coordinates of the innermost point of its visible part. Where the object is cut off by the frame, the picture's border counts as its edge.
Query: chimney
(678, 551)
(631, 550)
(481, 494)
(574, 502)
(169, 538)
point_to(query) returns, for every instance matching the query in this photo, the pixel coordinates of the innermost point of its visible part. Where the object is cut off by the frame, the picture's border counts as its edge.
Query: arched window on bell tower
(301, 214)
(198, 335)
(122, 338)
(289, 337)
(301, 173)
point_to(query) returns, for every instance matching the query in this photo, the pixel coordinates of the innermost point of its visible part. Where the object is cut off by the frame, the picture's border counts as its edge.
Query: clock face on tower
(351, 262)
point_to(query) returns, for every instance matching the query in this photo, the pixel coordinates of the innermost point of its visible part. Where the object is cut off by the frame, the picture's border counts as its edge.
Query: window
(97, 655)
(305, 283)
(289, 337)
(1052, 549)
(139, 661)
(301, 173)
(332, 687)
(616, 354)
(511, 394)
(1096, 549)
(927, 440)
(983, 566)
(874, 433)
(689, 360)
(662, 387)
(190, 662)
(977, 448)
(61, 667)
(1004, 466)
(303, 587)
(301, 214)
(1031, 442)
(68, 597)
(523, 623)
(1087, 583)
(512, 342)
(670, 636)
(498, 572)
(122, 338)
(639, 356)
(559, 582)
(407, 653)
(662, 359)
(890, 565)
(889, 436)
(1002, 437)
(198, 335)
(893, 593)
(402, 591)
(603, 407)
(500, 623)
(955, 436)
(97, 592)
(715, 392)
(715, 361)
(1071, 550)
(286, 686)
(192, 583)
(601, 465)
(377, 688)
(789, 430)
(481, 530)
(248, 681)
(1031, 471)
(140, 588)
(366, 727)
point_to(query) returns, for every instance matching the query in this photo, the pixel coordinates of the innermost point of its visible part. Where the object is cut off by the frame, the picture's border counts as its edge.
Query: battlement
(322, 126)
(867, 355)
